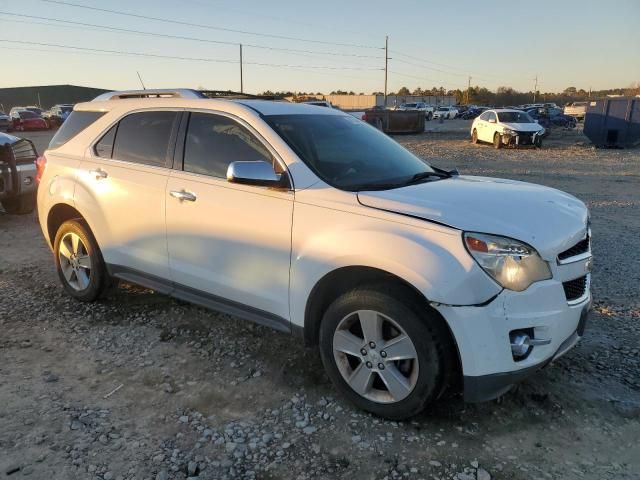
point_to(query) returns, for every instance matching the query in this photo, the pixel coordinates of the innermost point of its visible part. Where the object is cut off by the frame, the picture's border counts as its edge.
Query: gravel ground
(139, 386)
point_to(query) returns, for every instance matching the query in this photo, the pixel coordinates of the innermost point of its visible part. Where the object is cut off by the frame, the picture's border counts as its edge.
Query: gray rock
(482, 474)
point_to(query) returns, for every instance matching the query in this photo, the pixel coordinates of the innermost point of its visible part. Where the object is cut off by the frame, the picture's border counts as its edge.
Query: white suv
(413, 280)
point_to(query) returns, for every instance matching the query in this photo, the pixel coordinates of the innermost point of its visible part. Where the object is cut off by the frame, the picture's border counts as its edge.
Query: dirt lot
(142, 386)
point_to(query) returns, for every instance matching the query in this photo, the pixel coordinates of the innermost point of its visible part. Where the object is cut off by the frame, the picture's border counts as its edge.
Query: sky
(321, 46)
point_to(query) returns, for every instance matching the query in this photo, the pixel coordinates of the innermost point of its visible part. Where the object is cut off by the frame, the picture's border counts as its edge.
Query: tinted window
(484, 116)
(144, 138)
(491, 116)
(75, 123)
(213, 142)
(28, 114)
(346, 152)
(104, 148)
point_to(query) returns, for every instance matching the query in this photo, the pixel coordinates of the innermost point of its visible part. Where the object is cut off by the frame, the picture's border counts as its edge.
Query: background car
(577, 110)
(22, 120)
(506, 127)
(5, 120)
(550, 117)
(57, 114)
(472, 112)
(418, 106)
(445, 112)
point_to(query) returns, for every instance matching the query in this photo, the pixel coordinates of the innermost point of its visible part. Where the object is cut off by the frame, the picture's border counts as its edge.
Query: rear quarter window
(73, 125)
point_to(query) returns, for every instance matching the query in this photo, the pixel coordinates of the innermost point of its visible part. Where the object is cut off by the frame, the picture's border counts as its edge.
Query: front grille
(581, 247)
(525, 138)
(574, 289)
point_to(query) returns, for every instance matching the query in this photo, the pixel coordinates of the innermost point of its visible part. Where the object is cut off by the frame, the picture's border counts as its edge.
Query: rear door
(228, 243)
(123, 192)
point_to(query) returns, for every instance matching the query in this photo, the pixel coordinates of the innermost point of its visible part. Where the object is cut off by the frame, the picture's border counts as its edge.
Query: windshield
(514, 117)
(27, 114)
(410, 105)
(66, 109)
(443, 109)
(348, 153)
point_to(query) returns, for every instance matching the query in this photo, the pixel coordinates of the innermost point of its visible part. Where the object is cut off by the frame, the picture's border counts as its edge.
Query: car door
(489, 127)
(122, 189)
(229, 244)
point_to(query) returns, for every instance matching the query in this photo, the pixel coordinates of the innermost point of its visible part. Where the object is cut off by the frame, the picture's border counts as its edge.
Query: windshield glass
(348, 153)
(27, 114)
(410, 105)
(514, 117)
(66, 109)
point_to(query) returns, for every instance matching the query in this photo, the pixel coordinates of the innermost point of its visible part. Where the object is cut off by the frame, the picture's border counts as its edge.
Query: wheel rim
(75, 261)
(375, 356)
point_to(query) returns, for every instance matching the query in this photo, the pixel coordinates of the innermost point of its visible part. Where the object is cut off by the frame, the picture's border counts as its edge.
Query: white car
(411, 279)
(445, 112)
(506, 127)
(418, 106)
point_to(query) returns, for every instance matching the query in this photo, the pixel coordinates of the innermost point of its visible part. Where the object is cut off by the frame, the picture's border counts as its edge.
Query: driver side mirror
(258, 173)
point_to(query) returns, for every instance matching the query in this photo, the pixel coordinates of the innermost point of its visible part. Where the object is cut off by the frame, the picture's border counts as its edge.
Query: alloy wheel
(75, 261)
(375, 356)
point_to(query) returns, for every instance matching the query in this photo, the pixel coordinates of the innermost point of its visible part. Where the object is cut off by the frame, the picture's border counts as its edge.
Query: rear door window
(73, 125)
(144, 138)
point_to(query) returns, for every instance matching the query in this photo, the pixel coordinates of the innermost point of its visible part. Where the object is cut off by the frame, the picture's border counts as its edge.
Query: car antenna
(141, 82)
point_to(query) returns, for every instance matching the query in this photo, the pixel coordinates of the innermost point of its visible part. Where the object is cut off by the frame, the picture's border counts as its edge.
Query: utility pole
(386, 67)
(535, 89)
(468, 89)
(241, 85)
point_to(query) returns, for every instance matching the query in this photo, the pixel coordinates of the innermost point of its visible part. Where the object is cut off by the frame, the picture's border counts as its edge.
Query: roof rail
(150, 93)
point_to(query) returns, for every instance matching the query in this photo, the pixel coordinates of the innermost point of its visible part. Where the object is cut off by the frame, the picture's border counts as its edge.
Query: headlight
(508, 131)
(513, 264)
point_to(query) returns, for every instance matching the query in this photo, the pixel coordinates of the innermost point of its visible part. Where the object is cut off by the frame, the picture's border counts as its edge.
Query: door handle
(98, 173)
(183, 195)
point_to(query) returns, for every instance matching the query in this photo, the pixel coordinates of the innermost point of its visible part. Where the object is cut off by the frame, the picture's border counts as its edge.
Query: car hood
(547, 219)
(523, 127)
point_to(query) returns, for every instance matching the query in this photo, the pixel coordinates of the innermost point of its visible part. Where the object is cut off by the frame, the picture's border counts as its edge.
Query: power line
(463, 72)
(173, 57)
(181, 37)
(210, 27)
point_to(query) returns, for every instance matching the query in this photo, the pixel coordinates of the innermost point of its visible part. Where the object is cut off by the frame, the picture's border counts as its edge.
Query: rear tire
(474, 136)
(79, 261)
(497, 141)
(538, 142)
(391, 388)
(20, 205)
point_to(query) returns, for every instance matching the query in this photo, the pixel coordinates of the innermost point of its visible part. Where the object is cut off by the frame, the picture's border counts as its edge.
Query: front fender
(434, 261)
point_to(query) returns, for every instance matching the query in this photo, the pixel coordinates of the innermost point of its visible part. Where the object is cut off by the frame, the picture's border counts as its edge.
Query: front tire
(20, 205)
(79, 261)
(384, 351)
(497, 141)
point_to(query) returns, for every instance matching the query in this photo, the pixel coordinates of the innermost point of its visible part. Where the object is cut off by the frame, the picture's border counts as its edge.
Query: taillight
(41, 164)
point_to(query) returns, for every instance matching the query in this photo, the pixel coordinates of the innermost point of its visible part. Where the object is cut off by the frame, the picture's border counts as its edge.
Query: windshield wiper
(418, 177)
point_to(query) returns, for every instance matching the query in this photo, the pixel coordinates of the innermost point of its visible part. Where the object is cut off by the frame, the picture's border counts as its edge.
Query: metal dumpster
(613, 122)
(395, 121)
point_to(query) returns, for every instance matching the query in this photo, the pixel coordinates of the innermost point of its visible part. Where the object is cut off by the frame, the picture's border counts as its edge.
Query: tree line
(477, 95)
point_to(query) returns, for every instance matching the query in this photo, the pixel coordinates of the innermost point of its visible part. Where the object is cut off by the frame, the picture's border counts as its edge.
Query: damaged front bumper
(482, 333)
